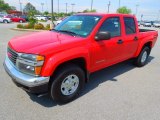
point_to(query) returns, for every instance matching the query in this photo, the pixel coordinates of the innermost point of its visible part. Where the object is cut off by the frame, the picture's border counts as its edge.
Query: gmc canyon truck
(60, 61)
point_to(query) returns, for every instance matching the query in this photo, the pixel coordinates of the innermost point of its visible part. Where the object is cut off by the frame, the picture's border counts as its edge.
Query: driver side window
(112, 25)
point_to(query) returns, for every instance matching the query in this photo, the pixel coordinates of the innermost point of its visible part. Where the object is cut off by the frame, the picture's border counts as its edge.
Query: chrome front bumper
(21, 78)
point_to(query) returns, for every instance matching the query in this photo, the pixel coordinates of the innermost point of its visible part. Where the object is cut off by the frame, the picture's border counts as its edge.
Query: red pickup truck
(60, 61)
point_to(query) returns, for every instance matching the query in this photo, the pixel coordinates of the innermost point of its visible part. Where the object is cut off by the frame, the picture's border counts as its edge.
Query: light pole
(72, 6)
(42, 7)
(91, 5)
(20, 6)
(66, 8)
(109, 5)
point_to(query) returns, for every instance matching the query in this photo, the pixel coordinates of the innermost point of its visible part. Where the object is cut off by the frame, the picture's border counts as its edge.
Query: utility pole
(58, 6)
(91, 5)
(20, 5)
(72, 7)
(137, 9)
(108, 5)
(52, 10)
(42, 7)
(66, 8)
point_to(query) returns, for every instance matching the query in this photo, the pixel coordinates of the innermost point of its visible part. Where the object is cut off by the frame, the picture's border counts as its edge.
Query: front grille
(12, 55)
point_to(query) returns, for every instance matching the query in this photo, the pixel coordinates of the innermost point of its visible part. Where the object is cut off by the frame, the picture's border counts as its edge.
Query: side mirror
(103, 35)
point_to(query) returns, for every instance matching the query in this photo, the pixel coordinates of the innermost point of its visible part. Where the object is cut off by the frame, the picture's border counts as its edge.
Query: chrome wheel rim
(69, 84)
(144, 57)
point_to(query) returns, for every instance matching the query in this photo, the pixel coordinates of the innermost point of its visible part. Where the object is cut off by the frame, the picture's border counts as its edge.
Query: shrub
(47, 27)
(39, 26)
(20, 26)
(28, 26)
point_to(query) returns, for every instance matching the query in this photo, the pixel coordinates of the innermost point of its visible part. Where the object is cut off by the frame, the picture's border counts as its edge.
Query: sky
(149, 8)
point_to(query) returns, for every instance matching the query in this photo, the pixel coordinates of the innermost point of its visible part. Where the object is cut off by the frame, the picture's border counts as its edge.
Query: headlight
(30, 64)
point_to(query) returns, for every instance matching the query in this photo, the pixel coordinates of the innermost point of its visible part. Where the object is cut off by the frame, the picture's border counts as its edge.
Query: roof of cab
(105, 14)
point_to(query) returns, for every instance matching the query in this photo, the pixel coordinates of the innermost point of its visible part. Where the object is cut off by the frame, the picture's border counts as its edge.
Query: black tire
(5, 21)
(138, 61)
(56, 90)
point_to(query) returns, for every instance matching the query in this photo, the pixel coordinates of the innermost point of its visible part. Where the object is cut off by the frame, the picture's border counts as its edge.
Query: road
(121, 92)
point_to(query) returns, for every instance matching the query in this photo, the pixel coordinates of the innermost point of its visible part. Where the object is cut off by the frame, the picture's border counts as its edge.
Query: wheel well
(148, 44)
(78, 61)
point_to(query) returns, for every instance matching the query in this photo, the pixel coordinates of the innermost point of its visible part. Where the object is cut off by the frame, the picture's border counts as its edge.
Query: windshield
(80, 25)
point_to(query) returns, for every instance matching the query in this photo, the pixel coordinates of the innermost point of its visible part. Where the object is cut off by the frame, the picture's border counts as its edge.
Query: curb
(29, 30)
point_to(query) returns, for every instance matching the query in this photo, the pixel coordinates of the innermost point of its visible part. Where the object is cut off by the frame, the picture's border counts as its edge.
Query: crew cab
(60, 61)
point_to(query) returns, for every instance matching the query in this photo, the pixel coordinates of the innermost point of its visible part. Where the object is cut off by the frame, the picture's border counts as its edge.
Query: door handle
(120, 42)
(135, 38)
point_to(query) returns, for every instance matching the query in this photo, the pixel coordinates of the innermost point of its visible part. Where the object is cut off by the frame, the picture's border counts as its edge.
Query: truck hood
(40, 42)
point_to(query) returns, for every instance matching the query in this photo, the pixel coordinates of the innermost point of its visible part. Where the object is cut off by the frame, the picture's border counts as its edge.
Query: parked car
(40, 17)
(147, 24)
(15, 18)
(24, 17)
(156, 24)
(60, 61)
(48, 17)
(4, 20)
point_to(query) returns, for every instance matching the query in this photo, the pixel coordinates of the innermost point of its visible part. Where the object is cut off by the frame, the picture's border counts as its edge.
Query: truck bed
(145, 30)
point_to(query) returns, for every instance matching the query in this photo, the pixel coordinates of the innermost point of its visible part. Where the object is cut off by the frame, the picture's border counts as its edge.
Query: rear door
(131, 39)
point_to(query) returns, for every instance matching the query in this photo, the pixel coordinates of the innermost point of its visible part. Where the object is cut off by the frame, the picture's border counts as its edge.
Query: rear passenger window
(130, 26)
(112, 25)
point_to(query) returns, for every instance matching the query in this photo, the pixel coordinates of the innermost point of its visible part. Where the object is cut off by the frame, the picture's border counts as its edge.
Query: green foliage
(5, 6)
(32, 19)
(39, 26)
(124, 10)
(29, 7)
(20, 26)
(46, 13)
(87, 10)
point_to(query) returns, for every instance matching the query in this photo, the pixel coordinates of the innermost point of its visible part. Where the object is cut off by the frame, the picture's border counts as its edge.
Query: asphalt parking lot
(121, 92)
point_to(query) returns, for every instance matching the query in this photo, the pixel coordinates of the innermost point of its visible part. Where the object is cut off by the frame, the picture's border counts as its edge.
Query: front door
(108, 52)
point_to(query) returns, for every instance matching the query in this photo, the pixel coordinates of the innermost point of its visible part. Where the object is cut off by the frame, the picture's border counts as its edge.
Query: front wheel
(68, 82)
(141, 60)
(5, 21)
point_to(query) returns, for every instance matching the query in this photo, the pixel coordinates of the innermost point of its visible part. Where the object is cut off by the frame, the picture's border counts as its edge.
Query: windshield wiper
(69, 32)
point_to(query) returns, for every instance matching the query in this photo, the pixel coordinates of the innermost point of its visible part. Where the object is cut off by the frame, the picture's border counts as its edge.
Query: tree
(5, 6)
(29, 7)
(87, 10)
(46, 13)
(124, 10)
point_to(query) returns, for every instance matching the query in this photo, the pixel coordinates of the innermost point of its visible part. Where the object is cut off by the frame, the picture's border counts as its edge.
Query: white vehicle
(156, 24)
(39, 17)
(4, 20)
(147, 24)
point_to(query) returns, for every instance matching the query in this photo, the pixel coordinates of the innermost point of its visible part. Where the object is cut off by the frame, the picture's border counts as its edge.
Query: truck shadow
(96, 78)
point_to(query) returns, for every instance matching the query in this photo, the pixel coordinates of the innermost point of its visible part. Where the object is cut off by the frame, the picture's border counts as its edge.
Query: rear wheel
(68, 82)
(141, 60)
(21, 21)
